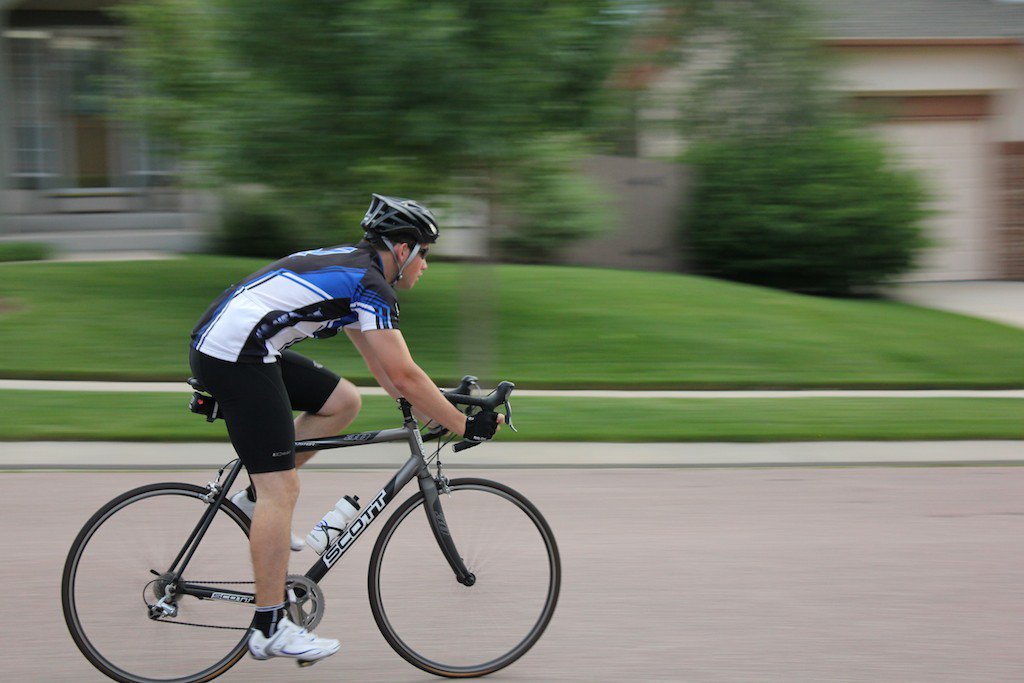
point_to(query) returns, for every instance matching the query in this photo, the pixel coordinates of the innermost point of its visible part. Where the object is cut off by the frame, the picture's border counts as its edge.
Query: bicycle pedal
(303, 664)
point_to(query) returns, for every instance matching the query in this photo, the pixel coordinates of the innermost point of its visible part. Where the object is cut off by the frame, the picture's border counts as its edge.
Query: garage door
(955, 160)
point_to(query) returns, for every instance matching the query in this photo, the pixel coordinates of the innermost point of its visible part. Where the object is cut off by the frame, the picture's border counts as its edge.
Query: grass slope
(538, 326)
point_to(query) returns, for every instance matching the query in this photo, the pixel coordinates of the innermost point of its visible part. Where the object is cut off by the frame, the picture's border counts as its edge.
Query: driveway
(999, 301)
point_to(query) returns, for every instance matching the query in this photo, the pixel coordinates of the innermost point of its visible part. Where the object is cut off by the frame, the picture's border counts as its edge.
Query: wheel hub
(162, 592)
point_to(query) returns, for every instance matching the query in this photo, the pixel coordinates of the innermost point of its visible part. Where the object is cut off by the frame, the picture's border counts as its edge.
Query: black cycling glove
(481, 427)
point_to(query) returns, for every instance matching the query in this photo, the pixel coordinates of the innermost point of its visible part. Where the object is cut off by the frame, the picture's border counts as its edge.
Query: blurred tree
(757, 70)
(728, 67)
(327, 100)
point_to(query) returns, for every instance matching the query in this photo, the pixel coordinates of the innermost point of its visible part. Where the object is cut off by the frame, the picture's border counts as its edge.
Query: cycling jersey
(308, 294)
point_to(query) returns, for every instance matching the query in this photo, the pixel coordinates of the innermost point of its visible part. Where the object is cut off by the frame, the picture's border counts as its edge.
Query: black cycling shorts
(257, 400)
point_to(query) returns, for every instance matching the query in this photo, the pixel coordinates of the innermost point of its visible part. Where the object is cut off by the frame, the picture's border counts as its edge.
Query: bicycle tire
(77, 583)
(514, 531)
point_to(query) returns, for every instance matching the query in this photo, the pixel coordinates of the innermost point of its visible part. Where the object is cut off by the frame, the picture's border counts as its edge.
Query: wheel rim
(109, 580)
(450, 629)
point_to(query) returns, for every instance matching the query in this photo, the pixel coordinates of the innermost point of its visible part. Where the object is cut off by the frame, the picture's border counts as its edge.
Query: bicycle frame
(415, 466)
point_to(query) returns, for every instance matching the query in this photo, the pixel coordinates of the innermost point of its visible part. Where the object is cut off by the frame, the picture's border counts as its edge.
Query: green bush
(24, 251)
(251, 224)
(819, 211)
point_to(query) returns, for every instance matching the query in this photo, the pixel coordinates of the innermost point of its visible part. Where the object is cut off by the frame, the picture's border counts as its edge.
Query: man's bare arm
(370, 358)
(388, 358)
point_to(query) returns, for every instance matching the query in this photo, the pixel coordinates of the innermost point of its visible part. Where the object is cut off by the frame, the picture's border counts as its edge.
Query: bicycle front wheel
(114, 573)
(453, 630)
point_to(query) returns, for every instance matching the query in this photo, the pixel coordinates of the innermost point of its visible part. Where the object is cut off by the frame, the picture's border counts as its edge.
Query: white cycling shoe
(241, 499)
(291, 640)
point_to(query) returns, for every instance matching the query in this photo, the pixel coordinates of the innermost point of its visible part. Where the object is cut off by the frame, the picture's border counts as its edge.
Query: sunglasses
(423, 253)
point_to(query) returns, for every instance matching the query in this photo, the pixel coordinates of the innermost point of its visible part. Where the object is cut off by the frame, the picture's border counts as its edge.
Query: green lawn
(553, 327)
(32, 415)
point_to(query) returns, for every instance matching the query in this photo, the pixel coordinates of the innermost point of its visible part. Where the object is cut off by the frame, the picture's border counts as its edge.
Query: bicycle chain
(189, 623)
(225, 628)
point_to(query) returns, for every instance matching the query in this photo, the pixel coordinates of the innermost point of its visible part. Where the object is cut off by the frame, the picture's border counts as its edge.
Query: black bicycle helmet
(399, 219)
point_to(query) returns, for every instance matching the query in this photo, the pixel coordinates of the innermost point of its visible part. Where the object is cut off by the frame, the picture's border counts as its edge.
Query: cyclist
(238, 352)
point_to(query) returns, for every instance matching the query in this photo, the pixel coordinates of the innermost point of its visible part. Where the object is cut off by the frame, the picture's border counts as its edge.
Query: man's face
(412, 272)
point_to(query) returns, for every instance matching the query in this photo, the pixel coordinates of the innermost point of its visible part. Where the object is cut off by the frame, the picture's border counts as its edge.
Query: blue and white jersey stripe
(308, 294)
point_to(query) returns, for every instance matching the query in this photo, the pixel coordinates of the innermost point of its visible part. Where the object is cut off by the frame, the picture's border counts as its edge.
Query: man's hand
(482, 426)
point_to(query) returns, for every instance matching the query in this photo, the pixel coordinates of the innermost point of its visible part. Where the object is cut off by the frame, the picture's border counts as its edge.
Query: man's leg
(277, 493)
(338, 411)
(258, 415)
(275, 635)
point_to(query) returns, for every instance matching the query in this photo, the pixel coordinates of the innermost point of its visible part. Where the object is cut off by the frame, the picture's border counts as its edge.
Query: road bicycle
(463, 579)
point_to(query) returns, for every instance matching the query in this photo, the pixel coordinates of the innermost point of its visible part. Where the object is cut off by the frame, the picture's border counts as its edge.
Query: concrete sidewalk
(183, 388)
(189, 456)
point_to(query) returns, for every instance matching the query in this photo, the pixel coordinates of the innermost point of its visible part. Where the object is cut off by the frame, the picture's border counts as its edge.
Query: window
(35, 131)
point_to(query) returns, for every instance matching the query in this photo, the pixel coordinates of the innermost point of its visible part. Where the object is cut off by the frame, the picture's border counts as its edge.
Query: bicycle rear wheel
(442, 626)
(112, 574)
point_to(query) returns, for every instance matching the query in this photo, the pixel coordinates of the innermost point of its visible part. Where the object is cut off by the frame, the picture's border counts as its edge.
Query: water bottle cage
(202, 404)
(325, 530)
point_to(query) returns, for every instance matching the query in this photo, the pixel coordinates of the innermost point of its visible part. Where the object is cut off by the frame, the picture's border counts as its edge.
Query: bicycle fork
(435, 518)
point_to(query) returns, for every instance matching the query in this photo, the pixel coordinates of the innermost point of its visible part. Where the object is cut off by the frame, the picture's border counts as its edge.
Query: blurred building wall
(644, 198)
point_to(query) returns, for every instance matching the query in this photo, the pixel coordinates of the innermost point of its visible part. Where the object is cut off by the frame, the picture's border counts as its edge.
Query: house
(71, 173)
(949, 77)
(951, 73)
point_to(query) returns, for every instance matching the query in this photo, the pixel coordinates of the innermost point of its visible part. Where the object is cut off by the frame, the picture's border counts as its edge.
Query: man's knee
(280, 487)
(344, 400)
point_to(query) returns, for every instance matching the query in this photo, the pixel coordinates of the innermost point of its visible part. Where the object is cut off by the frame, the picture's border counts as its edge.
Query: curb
(105, 456)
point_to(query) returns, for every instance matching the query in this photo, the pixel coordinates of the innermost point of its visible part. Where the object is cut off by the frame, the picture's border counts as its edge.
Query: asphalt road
(740, 574)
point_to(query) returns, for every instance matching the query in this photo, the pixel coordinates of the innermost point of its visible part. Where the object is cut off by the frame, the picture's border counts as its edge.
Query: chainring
(306, 608)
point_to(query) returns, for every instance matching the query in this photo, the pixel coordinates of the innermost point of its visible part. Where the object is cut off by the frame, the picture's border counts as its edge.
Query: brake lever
(508, 417)
(468, 385)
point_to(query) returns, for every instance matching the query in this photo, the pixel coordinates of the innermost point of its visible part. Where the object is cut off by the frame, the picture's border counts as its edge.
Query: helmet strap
(400, 266)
